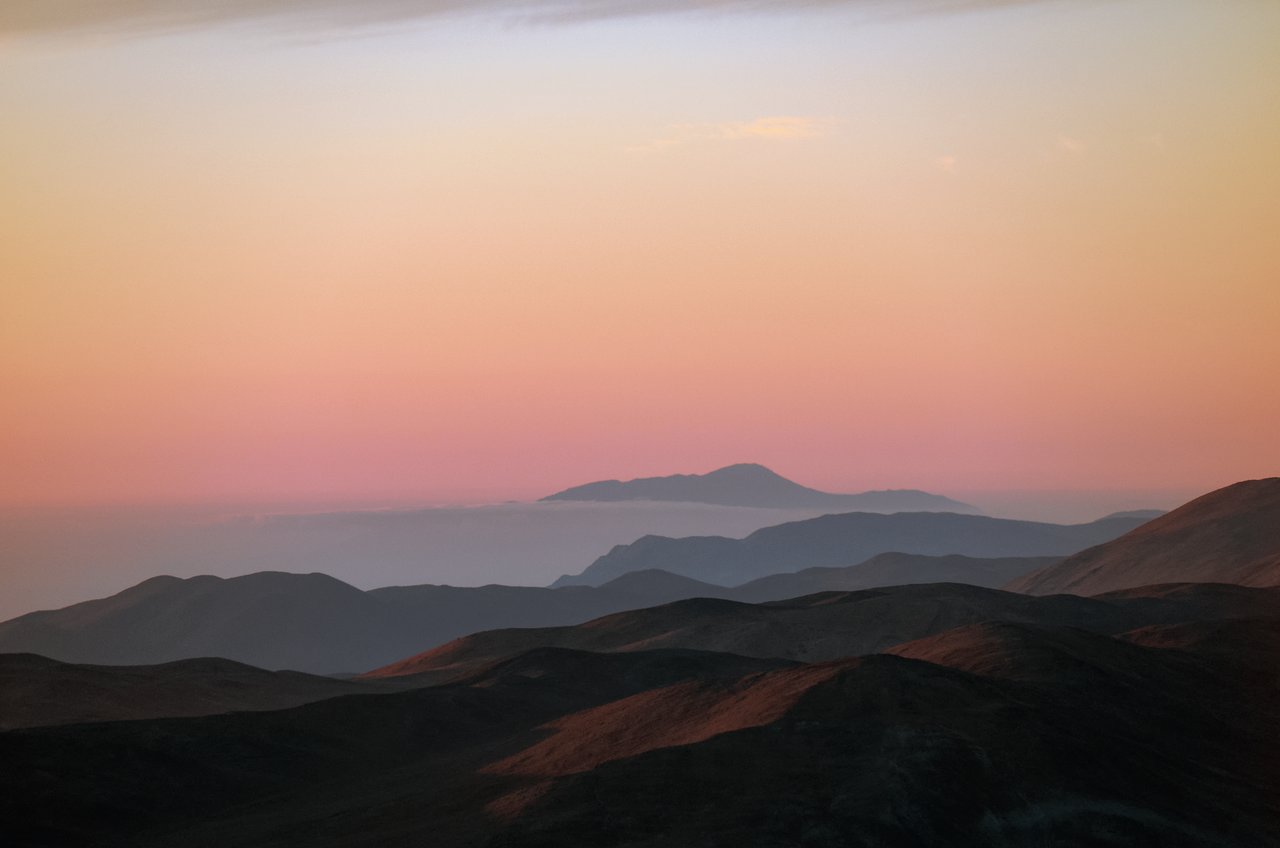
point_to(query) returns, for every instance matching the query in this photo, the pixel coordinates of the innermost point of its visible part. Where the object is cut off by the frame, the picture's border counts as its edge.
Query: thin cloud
(52, 17)
(1071, 146)
(775, 128)
(946, 164)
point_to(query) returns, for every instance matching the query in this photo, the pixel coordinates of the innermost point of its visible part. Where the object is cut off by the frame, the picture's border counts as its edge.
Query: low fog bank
(49, 559)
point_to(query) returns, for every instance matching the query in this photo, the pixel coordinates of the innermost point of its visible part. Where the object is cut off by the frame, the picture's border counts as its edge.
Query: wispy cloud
(140, 16)
(1071, 146)
(775, 128)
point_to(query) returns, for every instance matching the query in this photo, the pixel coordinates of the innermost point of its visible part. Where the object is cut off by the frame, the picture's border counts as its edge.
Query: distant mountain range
(315, 623)
(312, 622)
(1231, 535)
(748, 484)
(304, 622)
(845, 539)
(936, 714)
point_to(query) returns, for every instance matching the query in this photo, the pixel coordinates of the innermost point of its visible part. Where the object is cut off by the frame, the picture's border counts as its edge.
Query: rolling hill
(1231, 535)
(977, 736)
(37, 691)
(831, 625)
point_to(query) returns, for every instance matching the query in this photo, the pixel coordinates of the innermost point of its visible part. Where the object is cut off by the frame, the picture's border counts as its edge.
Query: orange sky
(1023, 247)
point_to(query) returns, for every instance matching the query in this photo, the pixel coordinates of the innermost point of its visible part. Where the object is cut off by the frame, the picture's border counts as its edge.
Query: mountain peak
(749, 470)
(753, 485)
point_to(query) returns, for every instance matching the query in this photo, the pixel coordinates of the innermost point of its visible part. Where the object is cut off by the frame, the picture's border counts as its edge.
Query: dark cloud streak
(53, 17)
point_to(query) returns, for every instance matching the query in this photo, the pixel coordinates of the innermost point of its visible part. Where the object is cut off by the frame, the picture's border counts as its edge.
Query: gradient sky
(269, 250)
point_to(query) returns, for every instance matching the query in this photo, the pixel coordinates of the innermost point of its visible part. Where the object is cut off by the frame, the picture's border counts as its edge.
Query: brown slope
(1089, 741)
(36, 691)
(658, 718)
(1043, 654)
(1124, 745)
(399, 769)
(832, 625)
(1231, 535)
(1220, 640)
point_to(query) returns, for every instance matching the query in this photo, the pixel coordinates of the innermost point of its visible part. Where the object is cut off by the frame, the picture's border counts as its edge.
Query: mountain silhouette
(846, 539)
(1231, 535)
(314, 623)
(749, 484)
(928, 714)
(306, 622)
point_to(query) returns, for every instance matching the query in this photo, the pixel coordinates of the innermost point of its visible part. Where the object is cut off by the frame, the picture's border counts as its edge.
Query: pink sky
(1018, 248)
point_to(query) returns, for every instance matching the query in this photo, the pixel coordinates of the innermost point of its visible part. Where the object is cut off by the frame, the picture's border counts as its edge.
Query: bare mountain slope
(989, 742)
(1231, 535)
(832, 625)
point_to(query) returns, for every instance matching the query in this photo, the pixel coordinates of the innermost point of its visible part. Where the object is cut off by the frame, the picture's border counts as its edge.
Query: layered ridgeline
(305, 622)
(1231, 535)
(976, 735)
(315, 623)
(748, 484)
(830, 625)
(312, 622)
(844, 539)
(1144, 716)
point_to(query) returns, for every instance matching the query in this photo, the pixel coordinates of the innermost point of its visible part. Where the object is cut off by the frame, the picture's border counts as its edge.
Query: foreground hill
(845, 539)
(748, 484)
(37, 691)
(315, 623)
(1231, 535)
(831, 625)
(1008, 735)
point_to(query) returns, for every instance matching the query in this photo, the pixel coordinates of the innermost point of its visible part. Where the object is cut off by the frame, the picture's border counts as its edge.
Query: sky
(391, 251)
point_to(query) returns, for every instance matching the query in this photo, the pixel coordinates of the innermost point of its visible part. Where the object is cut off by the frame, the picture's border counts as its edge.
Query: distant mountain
(831, 625)
(892, 569)
(993, 732)
(39, 691)
(1231, 535)
(845, 539)
(748, 484)
(306, 622)
(315, 623)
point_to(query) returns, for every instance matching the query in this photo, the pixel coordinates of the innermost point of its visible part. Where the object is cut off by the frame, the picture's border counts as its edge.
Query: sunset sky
(277, 250)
